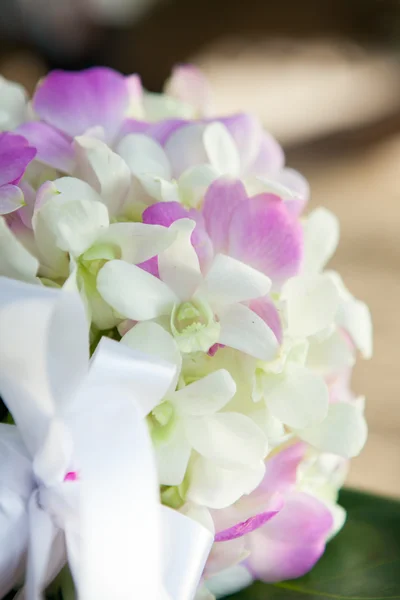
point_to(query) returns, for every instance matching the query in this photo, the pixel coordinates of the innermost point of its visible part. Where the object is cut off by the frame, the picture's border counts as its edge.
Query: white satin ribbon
(80, 460)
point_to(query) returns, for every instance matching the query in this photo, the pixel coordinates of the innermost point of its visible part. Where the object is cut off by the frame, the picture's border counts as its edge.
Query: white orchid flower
(76, 473)
(73, 233)
(190, 419)
(202, 310)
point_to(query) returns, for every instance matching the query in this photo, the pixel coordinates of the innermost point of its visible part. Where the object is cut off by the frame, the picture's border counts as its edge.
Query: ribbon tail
(43, 563)
(186, 546)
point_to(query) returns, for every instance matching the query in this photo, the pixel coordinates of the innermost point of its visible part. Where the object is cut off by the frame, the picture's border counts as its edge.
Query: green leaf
(361, 563)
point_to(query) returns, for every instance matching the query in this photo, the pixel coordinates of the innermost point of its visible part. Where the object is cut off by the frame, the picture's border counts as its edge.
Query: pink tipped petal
(265, 308)
(15, 156)
(247, 132)
(162, 130)
(189, 85)
(11, 199)
(166, 213)
(53, 147)
(270, 157)
(221, 200)
(281, 470)
(264, 235)
(75, 102)
(290, 544)
(245, 527)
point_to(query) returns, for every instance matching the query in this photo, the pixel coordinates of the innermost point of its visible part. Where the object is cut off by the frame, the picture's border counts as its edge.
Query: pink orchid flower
(276, 532)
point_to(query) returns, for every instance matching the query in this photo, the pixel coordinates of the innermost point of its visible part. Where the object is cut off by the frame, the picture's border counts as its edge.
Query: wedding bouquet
(204, 444)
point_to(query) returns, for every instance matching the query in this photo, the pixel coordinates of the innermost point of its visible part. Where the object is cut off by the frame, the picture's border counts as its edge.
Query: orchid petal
(151, 339)
(243, 329)
(230, 439)
(217, 487)
(185, 148)
(172, 456)
(133, 292)
(104, 170)
(76, 102)
(138, 242)
(11, 199)
(15, 155)
(266, 236)
(221, 149)
(321, 236)
(13, 104)
(290, 544)
(189, 85)
(144, 156)
(343, 432)
(205, 396)
(53, 147)
(298, 397)
(229, 281)
(178, 264)
(15, 261)
(312, 304)
(221, 200)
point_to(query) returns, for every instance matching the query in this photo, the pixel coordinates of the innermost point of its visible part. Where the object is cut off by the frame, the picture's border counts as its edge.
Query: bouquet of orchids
(204, 444)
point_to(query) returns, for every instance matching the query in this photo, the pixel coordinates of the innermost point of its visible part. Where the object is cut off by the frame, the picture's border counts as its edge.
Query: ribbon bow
(78, 481)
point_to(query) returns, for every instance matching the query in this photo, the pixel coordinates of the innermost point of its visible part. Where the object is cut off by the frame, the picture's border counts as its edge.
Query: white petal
(229, 439)
(298, 397)
(178, 265)
(151, 339)
(52, 459)
(343, 432)
(138, 242)
(216, 487)
(133, 292)
(185, 148)
(205, 396)
(104, 170)
(144, 156)
(243, 329)
(330, 354)
(221, 149)
(355, 317)
(70, 215)
(13, 104)
(321, 237)
(15, 261)
(312, 304)
(229, 281)
(11, 199)
(193, 184)
(172, 457)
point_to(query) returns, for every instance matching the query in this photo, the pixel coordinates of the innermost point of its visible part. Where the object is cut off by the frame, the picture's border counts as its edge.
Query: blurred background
(324, 77)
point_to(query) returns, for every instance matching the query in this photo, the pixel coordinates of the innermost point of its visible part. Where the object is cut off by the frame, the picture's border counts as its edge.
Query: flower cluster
(185, 236)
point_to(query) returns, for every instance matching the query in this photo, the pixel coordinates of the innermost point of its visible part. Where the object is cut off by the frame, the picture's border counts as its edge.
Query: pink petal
(15, 155)
(265, 308)
(281, 470)
(270, 157)
(290, 544)
(53, 147)
(166, 213)
(264, 235)
(75, 102)
(151, 266)
(162, 130)
(189, 85)
(242, 528)
(222, 198)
